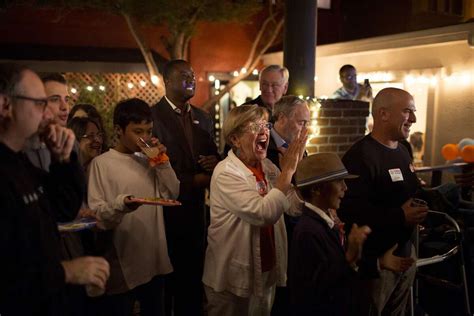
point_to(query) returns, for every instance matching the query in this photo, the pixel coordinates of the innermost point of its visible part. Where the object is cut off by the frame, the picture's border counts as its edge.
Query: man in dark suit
(188, 134)
(290, 114)
(273, 82)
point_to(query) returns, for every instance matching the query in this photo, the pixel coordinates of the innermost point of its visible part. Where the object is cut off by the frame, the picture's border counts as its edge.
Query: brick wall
(336, 125)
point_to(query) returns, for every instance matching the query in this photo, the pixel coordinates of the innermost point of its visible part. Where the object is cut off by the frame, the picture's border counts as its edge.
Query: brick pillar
(337, 124)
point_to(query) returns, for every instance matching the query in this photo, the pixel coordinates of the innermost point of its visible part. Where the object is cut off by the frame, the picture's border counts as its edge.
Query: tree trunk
(253, 58)
(146, 52)
(185, 50)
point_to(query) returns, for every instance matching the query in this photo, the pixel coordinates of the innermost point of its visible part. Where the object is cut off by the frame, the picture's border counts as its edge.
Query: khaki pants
(387, 295)
(227, 304)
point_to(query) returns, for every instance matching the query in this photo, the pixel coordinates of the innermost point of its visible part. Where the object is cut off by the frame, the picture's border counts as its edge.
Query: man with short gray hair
(290, 115)
(273, 81)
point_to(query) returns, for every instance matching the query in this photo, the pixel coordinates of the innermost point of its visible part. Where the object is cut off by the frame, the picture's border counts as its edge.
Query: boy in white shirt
(136, 244)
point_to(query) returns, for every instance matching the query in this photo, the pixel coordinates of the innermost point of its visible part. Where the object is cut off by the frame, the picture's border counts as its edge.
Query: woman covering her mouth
(247, 251)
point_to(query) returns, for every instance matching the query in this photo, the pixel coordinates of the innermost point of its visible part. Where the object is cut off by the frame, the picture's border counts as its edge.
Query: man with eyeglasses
(273, 85)
(351, 90)
(33, 277)
(37, 151)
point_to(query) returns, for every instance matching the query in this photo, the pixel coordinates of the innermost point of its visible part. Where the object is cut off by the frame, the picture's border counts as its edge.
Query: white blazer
(233, 261)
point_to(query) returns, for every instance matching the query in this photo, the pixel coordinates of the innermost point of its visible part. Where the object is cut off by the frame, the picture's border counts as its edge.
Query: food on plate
(156, 201)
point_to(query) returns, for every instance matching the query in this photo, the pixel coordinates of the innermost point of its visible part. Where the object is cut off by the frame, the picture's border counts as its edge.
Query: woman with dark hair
(90, 111)
(90, 137)
(84, 110)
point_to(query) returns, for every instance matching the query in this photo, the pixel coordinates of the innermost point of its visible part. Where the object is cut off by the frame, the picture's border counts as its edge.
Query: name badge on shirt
(396, 174)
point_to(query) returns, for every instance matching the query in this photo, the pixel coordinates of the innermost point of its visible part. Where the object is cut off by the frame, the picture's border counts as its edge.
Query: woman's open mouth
(262, 144)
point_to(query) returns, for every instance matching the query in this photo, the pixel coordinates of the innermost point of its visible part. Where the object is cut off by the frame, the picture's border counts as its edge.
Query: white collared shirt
(279, 141)
(321, 213)
(175, 108)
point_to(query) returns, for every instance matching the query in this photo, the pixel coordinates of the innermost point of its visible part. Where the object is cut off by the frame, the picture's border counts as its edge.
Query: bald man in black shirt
(381, 198)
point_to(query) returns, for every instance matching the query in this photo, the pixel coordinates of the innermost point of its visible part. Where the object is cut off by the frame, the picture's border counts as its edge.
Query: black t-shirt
(386, 180)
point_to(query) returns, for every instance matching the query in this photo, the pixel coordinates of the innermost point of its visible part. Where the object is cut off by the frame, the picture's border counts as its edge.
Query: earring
(237, 152)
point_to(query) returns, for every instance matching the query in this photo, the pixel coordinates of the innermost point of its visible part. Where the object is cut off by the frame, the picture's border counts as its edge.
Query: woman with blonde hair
(246, 255)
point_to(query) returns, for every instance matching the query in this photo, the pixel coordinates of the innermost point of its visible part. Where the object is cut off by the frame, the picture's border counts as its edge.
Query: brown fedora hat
(319, 168)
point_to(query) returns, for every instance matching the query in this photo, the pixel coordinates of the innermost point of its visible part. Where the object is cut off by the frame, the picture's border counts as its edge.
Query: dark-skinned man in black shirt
(188, 134)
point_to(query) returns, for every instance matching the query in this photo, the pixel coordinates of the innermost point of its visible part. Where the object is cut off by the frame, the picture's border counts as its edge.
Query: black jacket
(184, 162)
(319, 276)
(32, 277)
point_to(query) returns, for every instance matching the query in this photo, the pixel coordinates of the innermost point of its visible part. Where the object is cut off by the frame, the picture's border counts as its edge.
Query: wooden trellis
(106, 89)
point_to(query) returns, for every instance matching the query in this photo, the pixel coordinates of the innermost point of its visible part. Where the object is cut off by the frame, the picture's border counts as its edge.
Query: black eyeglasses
(38, 102)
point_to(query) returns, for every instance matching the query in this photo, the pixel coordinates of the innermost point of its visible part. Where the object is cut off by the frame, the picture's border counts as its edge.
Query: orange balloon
(450, 151)
(467, 153)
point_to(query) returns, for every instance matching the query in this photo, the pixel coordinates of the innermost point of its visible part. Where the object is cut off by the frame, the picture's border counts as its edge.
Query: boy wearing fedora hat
(321, 265)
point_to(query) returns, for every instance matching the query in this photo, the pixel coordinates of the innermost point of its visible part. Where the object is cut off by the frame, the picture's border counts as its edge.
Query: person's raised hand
(59, 140)
(87, 271)
(294, 154)
(156, 142)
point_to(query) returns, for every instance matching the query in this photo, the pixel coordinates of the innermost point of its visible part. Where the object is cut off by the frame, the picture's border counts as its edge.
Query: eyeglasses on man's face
(41, 102)
(257, 127)
(99, 136)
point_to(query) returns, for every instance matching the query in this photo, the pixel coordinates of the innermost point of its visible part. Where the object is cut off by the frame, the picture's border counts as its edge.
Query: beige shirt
(136, 248)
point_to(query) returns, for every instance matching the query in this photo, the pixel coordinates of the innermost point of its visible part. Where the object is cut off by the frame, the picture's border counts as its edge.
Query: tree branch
(252, 64)
(146, 52)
